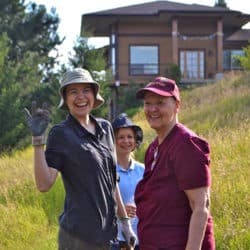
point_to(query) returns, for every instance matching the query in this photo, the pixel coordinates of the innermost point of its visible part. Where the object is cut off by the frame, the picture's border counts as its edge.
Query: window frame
(231, 64)
(144, 68)
(199, 71)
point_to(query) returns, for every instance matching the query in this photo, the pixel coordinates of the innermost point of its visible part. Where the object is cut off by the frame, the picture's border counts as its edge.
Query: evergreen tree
(28, 34)
(87, 56)
(220, 3)
(29, 28)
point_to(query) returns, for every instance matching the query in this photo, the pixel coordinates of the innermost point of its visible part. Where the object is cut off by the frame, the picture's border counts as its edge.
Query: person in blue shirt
(128, 137)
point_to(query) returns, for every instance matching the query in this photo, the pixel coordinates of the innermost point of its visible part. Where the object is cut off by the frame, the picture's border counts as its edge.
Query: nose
(152, 107)
(125, 139)
(81, 94)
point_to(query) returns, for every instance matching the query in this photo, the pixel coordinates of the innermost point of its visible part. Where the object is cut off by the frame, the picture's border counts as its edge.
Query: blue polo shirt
(87, 164)
(127, 184)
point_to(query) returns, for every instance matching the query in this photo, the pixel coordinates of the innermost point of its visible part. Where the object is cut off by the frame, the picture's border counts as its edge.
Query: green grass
(230, 188)
(219, 112)
(28, 218)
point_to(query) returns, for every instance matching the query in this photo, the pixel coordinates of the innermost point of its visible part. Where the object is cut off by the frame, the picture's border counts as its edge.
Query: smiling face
(161, 112)
(79, 98)
(125, 141)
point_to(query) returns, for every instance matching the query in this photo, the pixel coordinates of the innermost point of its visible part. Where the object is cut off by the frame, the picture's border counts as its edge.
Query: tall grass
(230, 189)
(28, 218)
(219, 112)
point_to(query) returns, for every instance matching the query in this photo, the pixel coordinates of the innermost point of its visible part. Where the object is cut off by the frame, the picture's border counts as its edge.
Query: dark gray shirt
(88, 167)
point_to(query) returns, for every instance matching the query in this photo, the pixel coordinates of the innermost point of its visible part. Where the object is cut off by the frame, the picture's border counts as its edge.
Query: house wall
(143, 34)
(201, 36)
(197, 25)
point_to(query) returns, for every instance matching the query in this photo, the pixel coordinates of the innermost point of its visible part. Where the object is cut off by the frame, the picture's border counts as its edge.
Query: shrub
(173, 72)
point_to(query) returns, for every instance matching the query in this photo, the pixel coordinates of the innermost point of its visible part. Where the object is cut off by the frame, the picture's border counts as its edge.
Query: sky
(70, 11)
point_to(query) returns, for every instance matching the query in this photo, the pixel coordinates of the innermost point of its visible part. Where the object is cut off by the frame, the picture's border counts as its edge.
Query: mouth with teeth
(81, 105)
(153, 117)
(126, 147)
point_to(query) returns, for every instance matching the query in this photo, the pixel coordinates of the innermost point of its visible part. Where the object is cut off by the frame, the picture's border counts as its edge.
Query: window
(113, 53)
(144, 60)
(192, 64)
(230, 60)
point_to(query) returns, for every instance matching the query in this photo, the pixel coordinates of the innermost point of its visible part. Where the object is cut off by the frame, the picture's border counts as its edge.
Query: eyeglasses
(155, 158)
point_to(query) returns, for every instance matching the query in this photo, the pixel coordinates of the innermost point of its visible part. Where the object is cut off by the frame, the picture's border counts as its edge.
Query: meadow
(220, 112)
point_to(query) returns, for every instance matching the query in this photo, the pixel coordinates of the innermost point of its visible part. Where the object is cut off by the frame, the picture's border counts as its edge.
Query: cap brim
(141, 93)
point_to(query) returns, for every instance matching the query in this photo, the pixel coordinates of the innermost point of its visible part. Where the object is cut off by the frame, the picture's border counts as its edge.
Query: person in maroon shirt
(173, 197)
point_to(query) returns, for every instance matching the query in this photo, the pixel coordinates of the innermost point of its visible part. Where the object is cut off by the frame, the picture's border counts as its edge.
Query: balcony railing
(143, 69)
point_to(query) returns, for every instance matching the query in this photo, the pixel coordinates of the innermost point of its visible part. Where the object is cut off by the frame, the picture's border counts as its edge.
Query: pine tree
(28, 34)
(220, 3)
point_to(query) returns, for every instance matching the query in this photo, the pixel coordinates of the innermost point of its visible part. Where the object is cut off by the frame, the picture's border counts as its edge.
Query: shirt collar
(81, 131)
(131, 167)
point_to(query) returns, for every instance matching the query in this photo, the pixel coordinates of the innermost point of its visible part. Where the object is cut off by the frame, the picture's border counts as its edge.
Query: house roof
(153, 8)
(240, 35)
(98, 23)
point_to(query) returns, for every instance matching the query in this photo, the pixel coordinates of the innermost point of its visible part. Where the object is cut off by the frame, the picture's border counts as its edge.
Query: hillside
(219, 112)
(212, 107)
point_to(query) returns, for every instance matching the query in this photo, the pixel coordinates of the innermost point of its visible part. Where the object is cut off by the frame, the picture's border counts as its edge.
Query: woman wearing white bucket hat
(79, 75)
(82, 149)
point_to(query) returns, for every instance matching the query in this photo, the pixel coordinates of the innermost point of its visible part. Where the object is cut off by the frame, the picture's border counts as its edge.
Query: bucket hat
(161, 86)
(122, 121)
(79, 75)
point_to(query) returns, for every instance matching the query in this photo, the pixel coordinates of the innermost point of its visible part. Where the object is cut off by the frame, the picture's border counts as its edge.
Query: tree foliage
(28, 34)
(29, 28)
(221, 3)
(87, 57)
(245, 60)
(28, 72)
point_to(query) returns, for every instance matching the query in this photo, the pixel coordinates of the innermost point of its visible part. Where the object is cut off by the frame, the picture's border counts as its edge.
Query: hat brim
(99, 101)
(141, 93)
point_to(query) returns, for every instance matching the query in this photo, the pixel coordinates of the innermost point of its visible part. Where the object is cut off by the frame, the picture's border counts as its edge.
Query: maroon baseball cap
(161, 86)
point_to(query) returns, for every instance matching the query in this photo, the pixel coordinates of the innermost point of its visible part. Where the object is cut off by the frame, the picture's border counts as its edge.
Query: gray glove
(37, 121)
(128, 232)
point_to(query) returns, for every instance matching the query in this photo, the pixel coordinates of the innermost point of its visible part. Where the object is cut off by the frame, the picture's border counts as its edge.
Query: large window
(192, 64)
(230, 60)
(144, 60)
